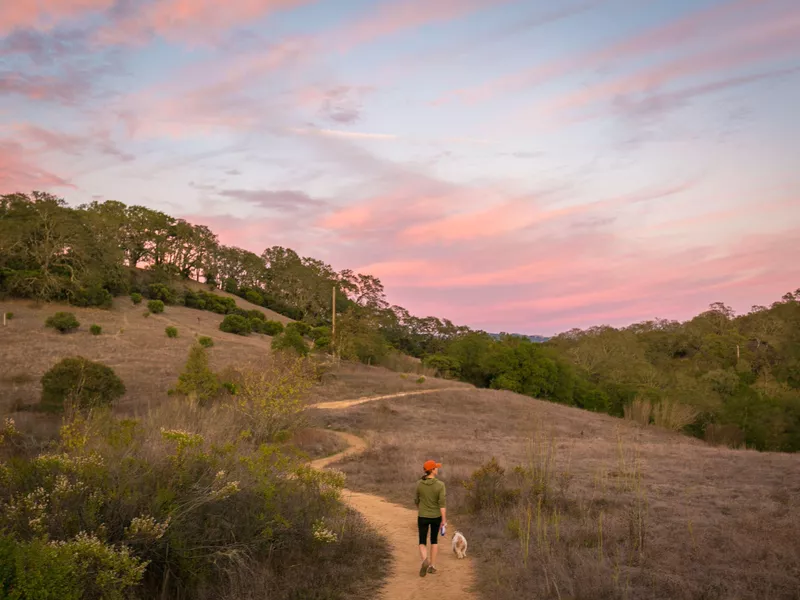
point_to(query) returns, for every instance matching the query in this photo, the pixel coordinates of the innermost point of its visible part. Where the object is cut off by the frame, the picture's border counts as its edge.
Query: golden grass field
(631, 512)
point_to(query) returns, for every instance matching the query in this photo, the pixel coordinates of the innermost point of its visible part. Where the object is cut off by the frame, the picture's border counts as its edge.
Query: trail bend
(398, 525)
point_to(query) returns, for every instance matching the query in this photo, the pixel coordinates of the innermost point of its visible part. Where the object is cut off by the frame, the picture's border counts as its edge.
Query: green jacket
(430, 498)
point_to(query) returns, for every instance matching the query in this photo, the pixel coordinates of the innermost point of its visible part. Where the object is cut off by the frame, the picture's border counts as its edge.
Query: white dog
(459, 545)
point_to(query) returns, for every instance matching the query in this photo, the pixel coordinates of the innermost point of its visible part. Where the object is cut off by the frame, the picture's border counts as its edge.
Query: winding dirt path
(336, 404)
(398, 525)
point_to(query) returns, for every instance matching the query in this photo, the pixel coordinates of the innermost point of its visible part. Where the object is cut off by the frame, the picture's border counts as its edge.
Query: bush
(256, 325)
(83, 567)
(447, 366)
(320, 332)
(487, 489)
(159, 291)
(136, 298)
(235, 324)
(92, 296)
(272, 328)
(323, 343)
(9, 316)
(290, 339)
(155, 306)
(253, 297)
(96, 329)
(205, 341)
(302, 328)
(172, 332)
(197, 382)
(80, 381)
(256, 314)
(63, 322)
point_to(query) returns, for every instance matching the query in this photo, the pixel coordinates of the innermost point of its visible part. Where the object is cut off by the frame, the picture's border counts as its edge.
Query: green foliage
(172, 332)
(254, 297)
(205, 341)
(303, 329)
(63, 322)
(162, 292)
(81, 383)
(136, 298)
(83, 567)
(9, 316)
(155, 306)
(320, 332)
(447, 366)
(272, 328)
(197, 382)
(235, 324)
(94, 295)
(290, 340)
(96, 329)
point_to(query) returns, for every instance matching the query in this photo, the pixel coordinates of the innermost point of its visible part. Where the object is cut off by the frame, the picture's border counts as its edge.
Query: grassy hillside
(605, 507)
(135, 346)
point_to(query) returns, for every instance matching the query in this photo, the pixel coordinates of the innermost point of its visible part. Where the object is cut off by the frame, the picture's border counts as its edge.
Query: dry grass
(629, 512)
(134, 346)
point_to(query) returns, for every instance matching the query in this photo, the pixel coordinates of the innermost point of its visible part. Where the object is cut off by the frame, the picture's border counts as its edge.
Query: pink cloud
(196, 22)
(773, 41)
(395, 16)
(703, 26)
(515, 215)
(18, 173)
(45, 15)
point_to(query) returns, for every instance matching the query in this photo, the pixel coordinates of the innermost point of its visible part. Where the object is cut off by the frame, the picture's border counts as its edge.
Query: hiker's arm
(444, 515)
(442, 504)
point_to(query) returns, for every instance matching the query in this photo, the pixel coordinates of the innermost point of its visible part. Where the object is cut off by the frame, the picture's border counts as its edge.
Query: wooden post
(333, 313)
(4, 318)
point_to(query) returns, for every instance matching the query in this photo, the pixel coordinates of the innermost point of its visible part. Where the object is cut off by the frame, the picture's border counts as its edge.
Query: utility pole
(333, 317)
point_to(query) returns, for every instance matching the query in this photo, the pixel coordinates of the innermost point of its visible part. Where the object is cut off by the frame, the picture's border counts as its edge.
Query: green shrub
(63, 322)
(9, 316)
(421, 380)
(256, 325)
(136, 298)
(155, 306)
(272, 328)
(253, 297)
(256, 314)
(197, 382)
(447, 366)
(80, 381)
(235, 324)
(302, 328)
(172, 332)
(146, 314)
(159, 291)
(94, 295)
(96, 329)
(205, 341)
(290, 339)
(323, 342)
(319, 332)
(83, 567)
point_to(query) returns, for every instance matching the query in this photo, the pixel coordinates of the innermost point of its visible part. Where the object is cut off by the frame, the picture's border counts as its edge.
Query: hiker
(430, 499)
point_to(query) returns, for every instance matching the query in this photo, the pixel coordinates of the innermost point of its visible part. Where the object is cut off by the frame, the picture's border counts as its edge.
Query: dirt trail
(399, 525)
(348, 403)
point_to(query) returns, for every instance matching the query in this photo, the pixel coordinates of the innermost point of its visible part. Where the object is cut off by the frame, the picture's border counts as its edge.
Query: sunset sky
(523, 166)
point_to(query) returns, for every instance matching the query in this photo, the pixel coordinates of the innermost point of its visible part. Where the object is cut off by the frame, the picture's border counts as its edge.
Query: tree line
(735, 379)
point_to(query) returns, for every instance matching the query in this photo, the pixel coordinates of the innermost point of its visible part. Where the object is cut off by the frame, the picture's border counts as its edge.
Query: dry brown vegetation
(133, 345)
(599, 508)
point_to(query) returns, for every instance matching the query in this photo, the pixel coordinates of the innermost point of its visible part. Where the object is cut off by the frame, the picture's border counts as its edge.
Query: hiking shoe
(433, 570)
(423, 570)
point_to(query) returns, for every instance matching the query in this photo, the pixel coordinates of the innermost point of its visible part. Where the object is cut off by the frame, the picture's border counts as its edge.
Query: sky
(518, 166)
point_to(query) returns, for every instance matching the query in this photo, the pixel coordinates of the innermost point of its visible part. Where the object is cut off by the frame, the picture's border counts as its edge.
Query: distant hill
(533, 338)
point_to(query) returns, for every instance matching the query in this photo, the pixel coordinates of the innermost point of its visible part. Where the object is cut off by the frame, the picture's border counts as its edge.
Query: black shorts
(423, 523)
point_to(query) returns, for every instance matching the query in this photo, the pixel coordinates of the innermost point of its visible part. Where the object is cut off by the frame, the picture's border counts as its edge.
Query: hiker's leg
(422, 526)
(435, 525)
